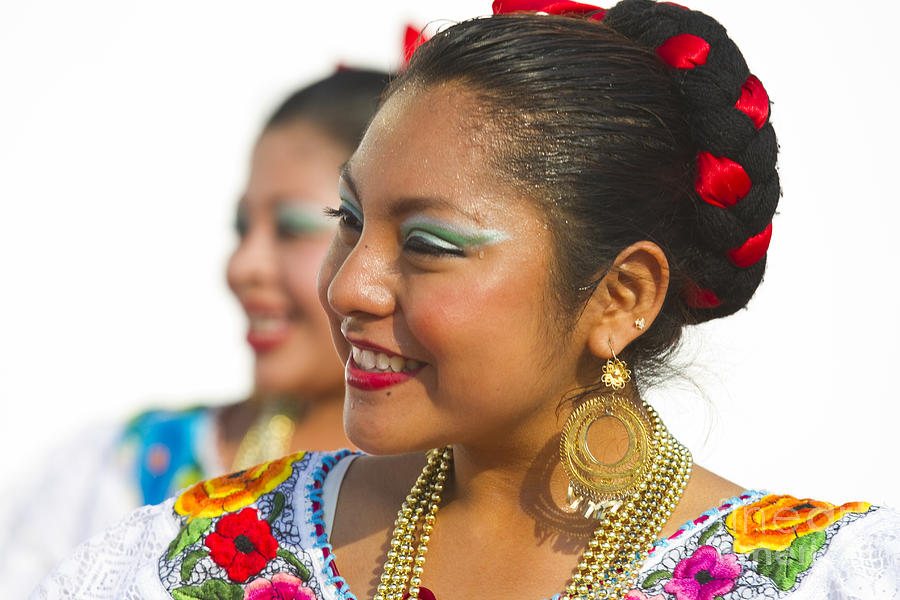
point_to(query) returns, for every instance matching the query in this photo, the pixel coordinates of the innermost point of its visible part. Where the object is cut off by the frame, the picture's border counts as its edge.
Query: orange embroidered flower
(774, 522)
(229, 493)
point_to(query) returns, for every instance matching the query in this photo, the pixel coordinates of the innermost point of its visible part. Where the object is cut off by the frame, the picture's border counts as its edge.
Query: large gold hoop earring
(596, 487)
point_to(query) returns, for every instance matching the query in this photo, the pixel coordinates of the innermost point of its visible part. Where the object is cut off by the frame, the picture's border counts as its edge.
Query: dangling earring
(615, 374)
(597, 487)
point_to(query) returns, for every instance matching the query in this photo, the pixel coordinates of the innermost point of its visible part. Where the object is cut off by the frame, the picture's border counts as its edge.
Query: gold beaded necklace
(270, 434)
(608, 567)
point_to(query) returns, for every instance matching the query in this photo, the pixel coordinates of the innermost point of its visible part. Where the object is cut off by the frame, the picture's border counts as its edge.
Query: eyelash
(413, 243)
(345, 216)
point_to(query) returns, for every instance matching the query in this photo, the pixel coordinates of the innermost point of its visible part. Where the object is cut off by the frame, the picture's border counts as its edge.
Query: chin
(380, 440)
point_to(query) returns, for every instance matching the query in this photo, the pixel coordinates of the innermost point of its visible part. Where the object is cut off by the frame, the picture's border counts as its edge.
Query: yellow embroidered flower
(774, 522)
(229, 493)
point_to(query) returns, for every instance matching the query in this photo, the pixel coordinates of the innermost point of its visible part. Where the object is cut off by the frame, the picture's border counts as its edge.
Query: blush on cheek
(450, 315)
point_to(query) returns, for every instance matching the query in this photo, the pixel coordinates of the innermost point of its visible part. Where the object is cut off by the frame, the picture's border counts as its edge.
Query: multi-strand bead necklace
(608, 567)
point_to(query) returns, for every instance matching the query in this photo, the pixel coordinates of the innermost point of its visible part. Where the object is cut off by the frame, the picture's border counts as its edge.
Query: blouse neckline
(321, 525)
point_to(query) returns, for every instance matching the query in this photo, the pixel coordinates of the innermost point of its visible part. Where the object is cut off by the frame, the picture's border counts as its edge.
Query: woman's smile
(370, 367)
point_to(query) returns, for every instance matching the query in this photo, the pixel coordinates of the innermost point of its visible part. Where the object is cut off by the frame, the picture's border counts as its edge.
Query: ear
(634, 288)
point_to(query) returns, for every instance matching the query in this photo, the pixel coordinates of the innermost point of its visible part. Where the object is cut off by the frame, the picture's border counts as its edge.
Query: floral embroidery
(249, 552)
(160, 448)
(774, 522)
(232, 492)
(242, 544)
(638, 595)
(754, 546)
(280, 587)
(276, 550)
(704, 575)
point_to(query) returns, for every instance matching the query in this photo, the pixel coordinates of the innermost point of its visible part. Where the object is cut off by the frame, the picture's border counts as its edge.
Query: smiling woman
(540, 206)
(298, 382)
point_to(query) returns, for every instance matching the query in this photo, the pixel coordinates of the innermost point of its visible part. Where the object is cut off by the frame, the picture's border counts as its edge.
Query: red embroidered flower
(242, 544)
(282, 586)
(704, 575)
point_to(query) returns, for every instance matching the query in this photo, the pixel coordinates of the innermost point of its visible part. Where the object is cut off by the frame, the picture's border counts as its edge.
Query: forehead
(295, 154)
(427, 142)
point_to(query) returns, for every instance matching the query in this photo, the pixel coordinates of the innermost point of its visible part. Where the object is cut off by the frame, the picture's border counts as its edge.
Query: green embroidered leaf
(190, 533)
(709, 532)
(278, 506)
(294, 562)
(782, 567)
(654, 578)
(214, 589)
(187, 565)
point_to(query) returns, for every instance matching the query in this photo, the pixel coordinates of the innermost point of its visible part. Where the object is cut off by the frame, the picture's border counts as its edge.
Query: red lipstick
(263, 342)
(368, 381)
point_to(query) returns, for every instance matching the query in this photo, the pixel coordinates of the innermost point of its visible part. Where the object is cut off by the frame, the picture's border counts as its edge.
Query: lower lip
(264, 342)
(367, 380)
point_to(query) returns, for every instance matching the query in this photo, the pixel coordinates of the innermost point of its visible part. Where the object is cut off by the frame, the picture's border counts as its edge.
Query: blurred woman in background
(298, 379)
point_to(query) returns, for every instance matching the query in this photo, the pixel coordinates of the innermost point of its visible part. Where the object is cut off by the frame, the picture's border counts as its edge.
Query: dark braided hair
(637, 123)
(341, 104)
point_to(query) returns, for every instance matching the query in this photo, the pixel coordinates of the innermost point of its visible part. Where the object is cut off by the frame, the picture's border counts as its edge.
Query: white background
(125, 130)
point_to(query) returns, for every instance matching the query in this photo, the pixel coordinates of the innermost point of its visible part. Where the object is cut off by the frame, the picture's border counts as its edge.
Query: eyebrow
(405, 206)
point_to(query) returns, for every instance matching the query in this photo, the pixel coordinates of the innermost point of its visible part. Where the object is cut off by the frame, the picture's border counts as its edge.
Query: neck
(527, 491)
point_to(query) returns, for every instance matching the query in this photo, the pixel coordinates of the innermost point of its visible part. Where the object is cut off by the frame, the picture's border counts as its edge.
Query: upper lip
(262, 308)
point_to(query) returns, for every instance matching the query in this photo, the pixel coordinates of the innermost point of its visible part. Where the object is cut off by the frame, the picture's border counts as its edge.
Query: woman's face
(284, 235)
(437, 287)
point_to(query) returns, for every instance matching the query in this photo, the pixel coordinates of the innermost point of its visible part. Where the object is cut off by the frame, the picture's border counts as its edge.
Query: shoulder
(220, 538)
(255, 529)
(110, 564)
(767, 545)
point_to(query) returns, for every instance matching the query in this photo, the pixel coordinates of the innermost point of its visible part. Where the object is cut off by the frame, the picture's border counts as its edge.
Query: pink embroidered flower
(282, 586)
(704, 575)
(638, 595)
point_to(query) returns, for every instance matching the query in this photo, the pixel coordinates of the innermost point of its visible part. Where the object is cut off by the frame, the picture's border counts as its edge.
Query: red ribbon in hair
(720, 181)
(412, 39)
(754, 101)
(563, 7)
(751, 251)
(697, 297)
(684, 51)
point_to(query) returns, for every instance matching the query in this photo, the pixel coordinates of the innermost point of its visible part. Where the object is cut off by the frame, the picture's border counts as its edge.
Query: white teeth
(265, 323)
(367, 360)
(397, 363)
(381, 362)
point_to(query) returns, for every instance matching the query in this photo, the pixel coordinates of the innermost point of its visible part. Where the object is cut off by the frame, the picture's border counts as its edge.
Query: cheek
(300, 267)
(231, 271)
(461, 318)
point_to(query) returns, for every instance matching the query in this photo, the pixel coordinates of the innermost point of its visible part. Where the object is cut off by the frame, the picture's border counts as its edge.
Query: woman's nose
(362, 282)
(254, 262)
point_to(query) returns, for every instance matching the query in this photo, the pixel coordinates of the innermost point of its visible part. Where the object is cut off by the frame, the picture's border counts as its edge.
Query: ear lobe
(634, 288)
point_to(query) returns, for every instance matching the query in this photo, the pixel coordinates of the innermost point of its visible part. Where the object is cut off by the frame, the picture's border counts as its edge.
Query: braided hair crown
(736, 182)
(641, 122)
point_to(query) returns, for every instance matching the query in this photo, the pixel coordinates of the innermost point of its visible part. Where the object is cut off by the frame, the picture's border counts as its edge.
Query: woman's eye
(241, 224)
(424, 242)
(347, 218)
(292, 222)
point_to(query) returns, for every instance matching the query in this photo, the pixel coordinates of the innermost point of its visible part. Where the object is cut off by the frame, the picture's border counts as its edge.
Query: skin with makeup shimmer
(450, 274)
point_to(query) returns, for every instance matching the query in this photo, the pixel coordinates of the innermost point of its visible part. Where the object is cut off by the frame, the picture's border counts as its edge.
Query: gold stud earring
(640, 323)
